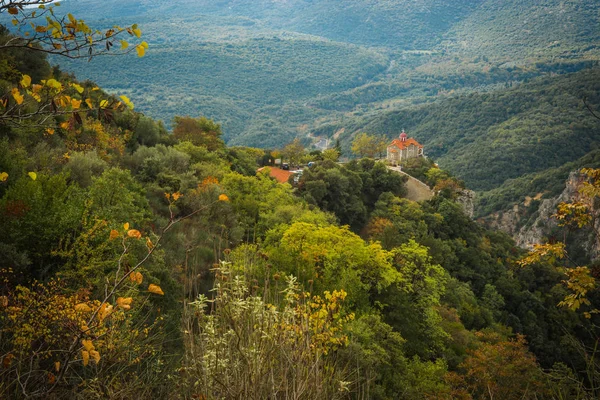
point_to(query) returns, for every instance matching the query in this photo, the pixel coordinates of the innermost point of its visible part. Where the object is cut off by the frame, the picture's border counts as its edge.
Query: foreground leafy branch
(42, 29)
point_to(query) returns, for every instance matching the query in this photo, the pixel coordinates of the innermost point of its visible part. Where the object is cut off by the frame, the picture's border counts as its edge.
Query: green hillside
(229, 82)
(519, 32)
(487, 138)
(449, 71)
(549, 182)
(391, 23)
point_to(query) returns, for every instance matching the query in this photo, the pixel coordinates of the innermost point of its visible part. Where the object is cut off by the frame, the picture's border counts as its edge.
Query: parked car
(285, 166)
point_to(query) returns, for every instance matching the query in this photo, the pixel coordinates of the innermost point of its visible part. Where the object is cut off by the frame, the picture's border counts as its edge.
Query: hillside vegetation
(140, 262)
(449, 72)
(487, 138)
(418, 52)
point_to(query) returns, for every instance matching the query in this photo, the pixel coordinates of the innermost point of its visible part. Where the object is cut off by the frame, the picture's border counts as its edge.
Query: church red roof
(404, 144)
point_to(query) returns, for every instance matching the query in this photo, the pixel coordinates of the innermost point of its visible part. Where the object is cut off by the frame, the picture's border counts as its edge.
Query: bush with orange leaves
(57, 343)
(499, 368)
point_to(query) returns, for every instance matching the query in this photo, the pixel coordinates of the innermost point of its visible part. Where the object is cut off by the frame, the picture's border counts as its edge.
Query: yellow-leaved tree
(42, 28)
(39, 27)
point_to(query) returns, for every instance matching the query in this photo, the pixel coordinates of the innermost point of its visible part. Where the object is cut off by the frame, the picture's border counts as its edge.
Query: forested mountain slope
(521, 32)
(417, 51)
(487, 138)
(449, 72)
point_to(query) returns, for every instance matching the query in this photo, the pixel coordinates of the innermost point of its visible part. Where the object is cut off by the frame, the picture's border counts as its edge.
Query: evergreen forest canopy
(142, 262)
(271, 71)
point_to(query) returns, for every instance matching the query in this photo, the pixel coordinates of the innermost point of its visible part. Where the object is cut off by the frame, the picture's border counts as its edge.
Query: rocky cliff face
(466, 198)
(529, 227)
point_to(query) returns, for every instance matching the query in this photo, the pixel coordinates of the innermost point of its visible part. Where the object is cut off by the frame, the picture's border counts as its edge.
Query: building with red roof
(403, 148)
(280, 175)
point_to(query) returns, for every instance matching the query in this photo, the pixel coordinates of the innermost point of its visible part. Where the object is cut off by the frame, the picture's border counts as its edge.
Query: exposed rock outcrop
(466, 198)
(540, 222)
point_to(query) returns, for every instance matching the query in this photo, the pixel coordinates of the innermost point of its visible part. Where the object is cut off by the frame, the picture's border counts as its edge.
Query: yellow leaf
(14, 22)
(26, 81)
(57, 46)
(82, 307)
(155, 289)
(113, 234)
(144, 45)
(124, 302)
(53, 83)
(126, 226)
(50, 131)
(136, 277)
(89, 103)
(65, 125)
(17, 96)
(41, 29)
(78, 88)
(103, 103)
(86, 357)
(95, 355)
(141, 50)
(63, 100)
(87, 344)
(167, 195)
(127, 101)
(57, 366)
(176, 196)
(124, 44)
(13, 10)
(105, 311)
(36, 88)
(137, 32)
(3, 176)
(75, 103)
(149, 243)
(134, 233)
(32, 175)
(223, 197)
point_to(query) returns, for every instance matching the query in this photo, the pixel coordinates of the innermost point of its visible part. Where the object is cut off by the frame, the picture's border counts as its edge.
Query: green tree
(331, 154)
(293, 152)
(365, 145)
(199, 131)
